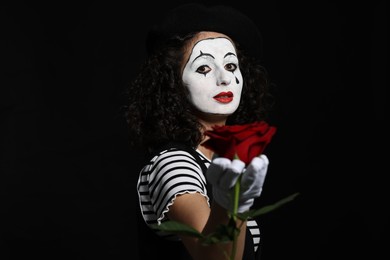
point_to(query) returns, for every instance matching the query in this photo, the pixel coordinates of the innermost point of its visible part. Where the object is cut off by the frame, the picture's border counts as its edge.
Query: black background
(68, 177)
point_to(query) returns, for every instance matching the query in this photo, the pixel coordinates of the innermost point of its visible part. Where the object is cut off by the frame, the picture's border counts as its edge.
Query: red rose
(245, 141)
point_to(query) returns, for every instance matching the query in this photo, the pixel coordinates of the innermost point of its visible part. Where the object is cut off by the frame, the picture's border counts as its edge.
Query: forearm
(218, 216)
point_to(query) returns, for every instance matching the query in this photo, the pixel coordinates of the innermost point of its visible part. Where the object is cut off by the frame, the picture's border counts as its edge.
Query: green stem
(235, 209)
(236, 197)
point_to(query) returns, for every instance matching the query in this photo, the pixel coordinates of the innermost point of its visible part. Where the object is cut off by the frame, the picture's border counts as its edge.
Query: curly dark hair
(159, 111)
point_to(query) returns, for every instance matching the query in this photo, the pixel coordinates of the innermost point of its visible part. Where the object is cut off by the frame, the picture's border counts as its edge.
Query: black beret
(195, 17)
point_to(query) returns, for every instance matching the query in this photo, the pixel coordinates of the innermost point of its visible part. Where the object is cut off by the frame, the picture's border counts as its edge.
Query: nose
(223, 78)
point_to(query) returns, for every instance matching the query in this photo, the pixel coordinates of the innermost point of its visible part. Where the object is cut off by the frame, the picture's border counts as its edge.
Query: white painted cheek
(201, 89)
(236, 88)
(238, 77)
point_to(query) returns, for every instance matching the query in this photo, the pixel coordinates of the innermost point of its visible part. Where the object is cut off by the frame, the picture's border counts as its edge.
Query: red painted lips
(224, 97)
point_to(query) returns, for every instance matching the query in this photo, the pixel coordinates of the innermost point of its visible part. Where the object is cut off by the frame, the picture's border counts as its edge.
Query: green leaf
(223, 234)
(178, 228)
(267, 209)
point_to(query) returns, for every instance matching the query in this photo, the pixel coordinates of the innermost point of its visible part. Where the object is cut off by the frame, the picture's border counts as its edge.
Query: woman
(202, 70)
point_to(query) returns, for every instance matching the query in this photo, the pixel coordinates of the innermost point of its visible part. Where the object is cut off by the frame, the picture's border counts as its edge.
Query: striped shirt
(170, 173)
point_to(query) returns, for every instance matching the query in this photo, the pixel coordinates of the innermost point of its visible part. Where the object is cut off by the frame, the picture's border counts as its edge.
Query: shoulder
(173, 156)
(173, 151)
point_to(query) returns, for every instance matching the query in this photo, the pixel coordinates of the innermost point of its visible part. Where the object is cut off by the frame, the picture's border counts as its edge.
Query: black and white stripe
(168, 174)
(255, 231)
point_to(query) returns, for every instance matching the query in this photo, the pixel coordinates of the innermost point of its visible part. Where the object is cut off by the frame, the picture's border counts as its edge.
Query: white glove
(223, 173)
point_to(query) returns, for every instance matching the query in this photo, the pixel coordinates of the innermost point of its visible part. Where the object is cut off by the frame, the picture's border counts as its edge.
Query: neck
(207, 152)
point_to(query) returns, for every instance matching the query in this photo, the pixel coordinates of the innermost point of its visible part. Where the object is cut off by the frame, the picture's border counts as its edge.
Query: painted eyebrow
(208, 54)
(203, 54)
(229, 54)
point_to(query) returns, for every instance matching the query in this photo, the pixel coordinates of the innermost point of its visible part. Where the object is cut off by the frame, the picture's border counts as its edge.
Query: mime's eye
(231, 67)
(204, 69)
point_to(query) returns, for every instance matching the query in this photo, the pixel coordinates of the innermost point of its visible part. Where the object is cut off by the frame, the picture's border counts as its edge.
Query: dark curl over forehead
(195, 17)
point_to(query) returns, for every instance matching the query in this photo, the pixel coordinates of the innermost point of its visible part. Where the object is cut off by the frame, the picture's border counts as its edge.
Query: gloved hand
(223, 173)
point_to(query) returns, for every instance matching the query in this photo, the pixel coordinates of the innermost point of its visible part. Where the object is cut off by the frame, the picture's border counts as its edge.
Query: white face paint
(213, 77)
